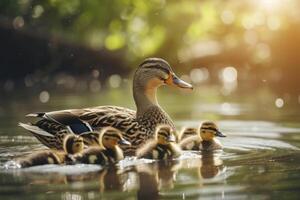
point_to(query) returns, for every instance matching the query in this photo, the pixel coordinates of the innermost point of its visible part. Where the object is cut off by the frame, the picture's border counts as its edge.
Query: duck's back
(135, 129)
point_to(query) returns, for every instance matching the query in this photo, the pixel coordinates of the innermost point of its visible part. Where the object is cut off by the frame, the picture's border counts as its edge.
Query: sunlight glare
(270, 5)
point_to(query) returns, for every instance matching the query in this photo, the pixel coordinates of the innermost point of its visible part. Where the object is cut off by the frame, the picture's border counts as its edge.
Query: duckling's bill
(219, 134)
(124, 142)
(171, 138)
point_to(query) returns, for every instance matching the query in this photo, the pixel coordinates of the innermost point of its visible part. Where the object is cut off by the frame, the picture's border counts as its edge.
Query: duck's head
(209, 130)
(154, 72)
(73, 144)
(165, 134)
(111, 137)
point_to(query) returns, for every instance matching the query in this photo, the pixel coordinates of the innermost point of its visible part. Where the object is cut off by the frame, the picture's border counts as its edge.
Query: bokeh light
(44, 96)
(279, 102)
(115, 81)
(229, 74)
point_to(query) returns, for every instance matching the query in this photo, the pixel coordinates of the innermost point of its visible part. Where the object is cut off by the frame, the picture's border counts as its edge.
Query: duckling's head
(187, 132)
(73, 144)
(209, 130)
(154, 72)
(111, 137)
(91, 138)
(165, 134)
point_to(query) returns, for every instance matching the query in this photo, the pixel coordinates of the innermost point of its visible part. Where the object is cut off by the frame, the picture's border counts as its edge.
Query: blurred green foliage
(257, 37)
(162, 27)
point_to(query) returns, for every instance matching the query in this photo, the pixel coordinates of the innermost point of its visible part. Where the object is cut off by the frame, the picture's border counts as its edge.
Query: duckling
(206, 140)
(107, 152)
(162, 147)
(72, 144)
(91, 138)
(187, 132)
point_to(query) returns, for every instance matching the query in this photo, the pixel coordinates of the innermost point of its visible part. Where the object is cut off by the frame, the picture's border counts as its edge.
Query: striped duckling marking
(205, 139)
(108, 151)
(162, 147)
(72, 144)
(187, 132)
(91, 138)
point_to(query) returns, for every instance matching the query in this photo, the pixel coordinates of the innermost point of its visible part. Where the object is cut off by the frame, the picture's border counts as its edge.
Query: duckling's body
(101, 156)
(72, 145)
(107, 152)
(205, 140)
(41, 158)
(162, 147)
(136, 126)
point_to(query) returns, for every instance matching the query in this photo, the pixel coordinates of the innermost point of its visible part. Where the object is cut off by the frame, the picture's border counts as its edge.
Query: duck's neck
(144, 97)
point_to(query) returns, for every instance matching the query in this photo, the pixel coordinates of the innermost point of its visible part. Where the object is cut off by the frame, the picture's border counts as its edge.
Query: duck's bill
(124, 142)
(177, 82)
(171, 138)
(219, 134)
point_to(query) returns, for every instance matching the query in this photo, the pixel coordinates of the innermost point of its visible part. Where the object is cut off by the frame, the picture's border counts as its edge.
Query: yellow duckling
(206, 141)
(72, 144)
(107, 152)
(187, 132)
(162, 147)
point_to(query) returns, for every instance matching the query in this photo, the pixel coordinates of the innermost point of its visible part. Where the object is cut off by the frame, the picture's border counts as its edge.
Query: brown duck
(137, 126)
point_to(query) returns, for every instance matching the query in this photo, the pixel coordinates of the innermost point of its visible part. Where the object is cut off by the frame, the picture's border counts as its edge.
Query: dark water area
(260, 159)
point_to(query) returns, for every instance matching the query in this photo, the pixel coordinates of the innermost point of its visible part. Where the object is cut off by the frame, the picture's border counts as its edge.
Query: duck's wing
(79, 121)
(51, 127)
(192, 140)
(66, 118)
(103, 116)
(146, 149)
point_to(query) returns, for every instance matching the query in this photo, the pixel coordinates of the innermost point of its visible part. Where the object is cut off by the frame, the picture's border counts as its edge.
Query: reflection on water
(145, 180)
(260, 160)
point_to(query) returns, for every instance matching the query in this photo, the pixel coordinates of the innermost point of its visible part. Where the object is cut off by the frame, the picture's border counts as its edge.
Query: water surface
(260, 160)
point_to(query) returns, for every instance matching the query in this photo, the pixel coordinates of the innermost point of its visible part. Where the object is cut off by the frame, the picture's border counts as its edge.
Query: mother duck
(137, 126)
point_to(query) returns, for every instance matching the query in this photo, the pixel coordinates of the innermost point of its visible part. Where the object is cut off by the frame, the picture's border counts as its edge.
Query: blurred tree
(248, 35)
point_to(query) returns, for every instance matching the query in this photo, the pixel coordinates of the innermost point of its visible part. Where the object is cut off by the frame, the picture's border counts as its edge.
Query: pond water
(260, 160)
